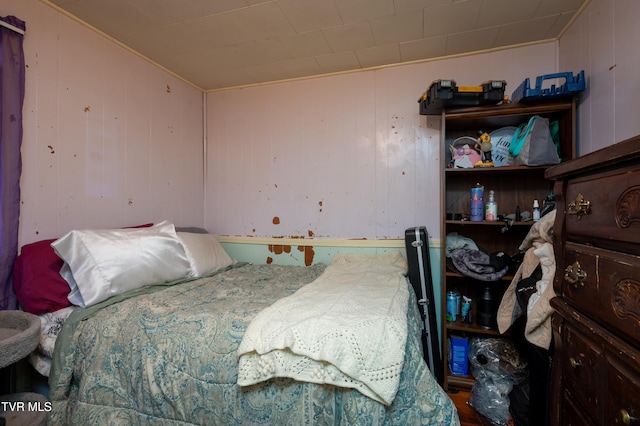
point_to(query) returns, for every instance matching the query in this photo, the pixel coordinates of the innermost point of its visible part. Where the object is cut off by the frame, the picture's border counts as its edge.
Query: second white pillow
(205, 253)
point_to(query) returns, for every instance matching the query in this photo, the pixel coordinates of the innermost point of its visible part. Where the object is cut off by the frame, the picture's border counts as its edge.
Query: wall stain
(51, 149)
(87, 108)
(168, 89)
(278, 249)
(308, 255)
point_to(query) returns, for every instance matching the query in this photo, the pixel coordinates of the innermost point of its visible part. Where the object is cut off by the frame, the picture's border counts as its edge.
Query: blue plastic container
(458, 351)
(571, 86)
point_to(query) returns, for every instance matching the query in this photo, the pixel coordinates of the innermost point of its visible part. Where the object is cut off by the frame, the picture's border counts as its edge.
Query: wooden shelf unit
(514, 186)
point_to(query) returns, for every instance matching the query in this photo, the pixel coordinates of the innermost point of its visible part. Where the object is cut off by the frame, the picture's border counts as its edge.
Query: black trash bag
(519, 408)
(497, 366)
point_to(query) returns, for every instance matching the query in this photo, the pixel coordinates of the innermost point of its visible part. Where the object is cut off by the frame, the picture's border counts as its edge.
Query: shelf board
(461, 382)
(505, 115)
(503, 169)
(473, 328)
(507, 278)
(487, 223)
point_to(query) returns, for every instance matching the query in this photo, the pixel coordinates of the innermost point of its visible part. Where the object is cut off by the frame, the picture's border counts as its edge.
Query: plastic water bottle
(465, 311)
(536, 211)
(491, 209)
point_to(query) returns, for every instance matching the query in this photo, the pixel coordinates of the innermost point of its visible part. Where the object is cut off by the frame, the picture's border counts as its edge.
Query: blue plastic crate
(572, 85)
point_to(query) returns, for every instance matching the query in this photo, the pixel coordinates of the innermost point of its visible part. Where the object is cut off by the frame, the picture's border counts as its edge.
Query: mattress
(167, 355)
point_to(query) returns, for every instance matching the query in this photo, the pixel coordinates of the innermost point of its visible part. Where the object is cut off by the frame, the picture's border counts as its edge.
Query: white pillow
(204, 252)
(99, 264)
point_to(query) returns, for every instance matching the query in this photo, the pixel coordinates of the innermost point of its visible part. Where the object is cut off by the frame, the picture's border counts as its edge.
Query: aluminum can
(453, 305)
(477, 203)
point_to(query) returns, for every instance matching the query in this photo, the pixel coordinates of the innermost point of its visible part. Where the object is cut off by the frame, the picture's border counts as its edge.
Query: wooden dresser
(596, 324)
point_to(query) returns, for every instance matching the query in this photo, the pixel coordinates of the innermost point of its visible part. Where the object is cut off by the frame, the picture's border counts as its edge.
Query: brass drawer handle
(626, 418)
(575, 363)
(579, 206)
(575, 275)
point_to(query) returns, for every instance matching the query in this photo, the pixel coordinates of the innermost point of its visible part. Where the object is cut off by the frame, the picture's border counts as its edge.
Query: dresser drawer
(620, 296)
(604, 285)
(613, 212)
(582, 361)
(596, 320)
(580, 278)
(623, 394)
(573, 415)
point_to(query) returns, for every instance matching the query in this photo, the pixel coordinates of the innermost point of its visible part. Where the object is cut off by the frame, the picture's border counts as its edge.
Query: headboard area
(301, 251)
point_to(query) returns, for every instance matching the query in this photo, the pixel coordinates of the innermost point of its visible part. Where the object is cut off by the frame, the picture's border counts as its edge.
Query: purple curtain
(12, 69)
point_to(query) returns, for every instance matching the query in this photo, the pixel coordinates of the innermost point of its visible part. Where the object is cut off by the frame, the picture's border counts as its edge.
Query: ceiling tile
(162, 41)
(358, 10)
(524, 31)
(228, 78)
(303, 67)
(251, 54)
(404, 6)
(208, 7)
(396, 29)
(259, 22)
(166, 12)
(267, 72)
(500, 12)
(229, 58)
(211, 32)
(307, 44)
(379, 55)
(423, 48)
(451, 18)
(114, 18)
(477, 40)
(338, 62)
(349, 37)
(309, 15)
(555, 7)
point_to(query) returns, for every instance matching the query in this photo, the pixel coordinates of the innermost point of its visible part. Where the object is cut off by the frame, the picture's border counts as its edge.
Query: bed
(178, 351)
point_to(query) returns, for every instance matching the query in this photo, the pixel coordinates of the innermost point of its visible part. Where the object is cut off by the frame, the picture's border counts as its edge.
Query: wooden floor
(468, 416)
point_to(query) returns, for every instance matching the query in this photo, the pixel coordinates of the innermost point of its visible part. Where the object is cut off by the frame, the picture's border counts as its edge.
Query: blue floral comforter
(166, 355)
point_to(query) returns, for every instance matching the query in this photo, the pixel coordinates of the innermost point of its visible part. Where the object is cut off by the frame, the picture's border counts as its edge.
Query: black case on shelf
(417, 246)
(446, 93)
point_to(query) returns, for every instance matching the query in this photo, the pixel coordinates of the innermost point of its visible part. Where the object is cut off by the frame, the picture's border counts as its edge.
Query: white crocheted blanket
(348, 328)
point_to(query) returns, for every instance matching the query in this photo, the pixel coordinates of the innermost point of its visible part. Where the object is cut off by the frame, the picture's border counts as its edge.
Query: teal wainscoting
(307, 251)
